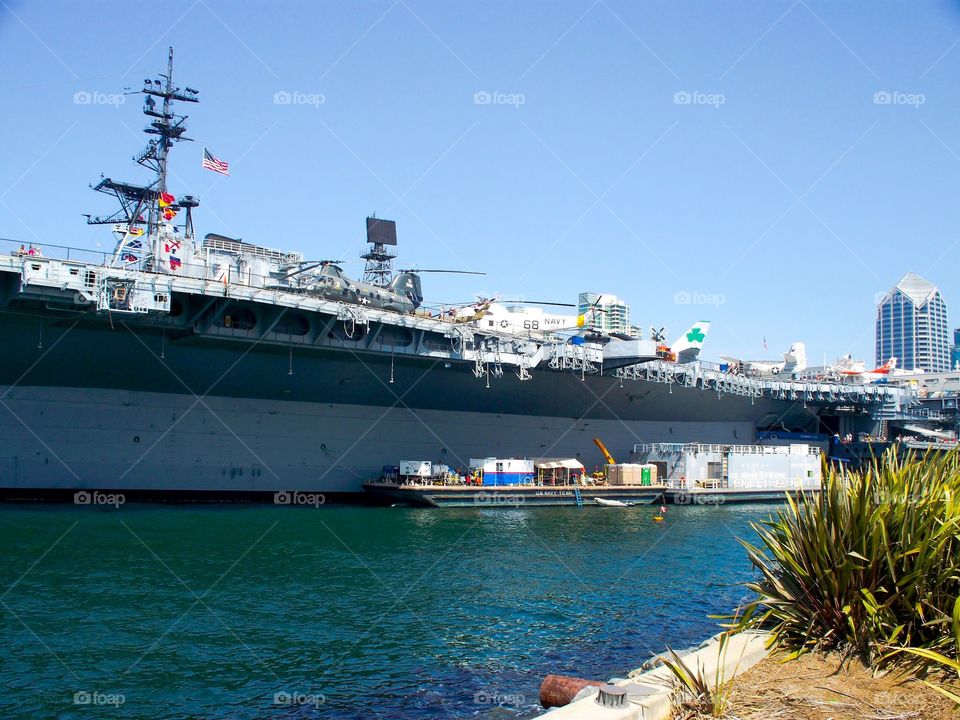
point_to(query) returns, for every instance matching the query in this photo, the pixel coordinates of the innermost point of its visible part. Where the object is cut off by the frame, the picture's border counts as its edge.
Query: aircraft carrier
(176, 367)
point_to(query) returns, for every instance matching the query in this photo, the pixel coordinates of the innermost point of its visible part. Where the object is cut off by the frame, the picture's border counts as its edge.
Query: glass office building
(912, 326)
(606, 312)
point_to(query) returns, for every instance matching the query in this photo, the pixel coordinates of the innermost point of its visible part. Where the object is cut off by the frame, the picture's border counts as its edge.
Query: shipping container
(614, 475)
(416, 468)
(630, 474)
(505, 471)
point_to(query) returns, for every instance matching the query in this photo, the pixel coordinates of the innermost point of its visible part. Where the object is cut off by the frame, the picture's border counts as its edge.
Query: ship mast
(145, 208)
(164, 150)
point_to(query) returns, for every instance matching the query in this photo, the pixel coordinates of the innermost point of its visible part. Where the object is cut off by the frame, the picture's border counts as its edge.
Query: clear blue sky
(785, 186)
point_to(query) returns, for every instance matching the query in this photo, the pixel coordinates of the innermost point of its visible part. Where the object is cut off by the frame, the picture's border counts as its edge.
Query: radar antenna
(379, 267)
(145, 208)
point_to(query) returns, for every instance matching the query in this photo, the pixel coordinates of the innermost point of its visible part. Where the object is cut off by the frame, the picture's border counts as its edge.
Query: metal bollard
(611, 696)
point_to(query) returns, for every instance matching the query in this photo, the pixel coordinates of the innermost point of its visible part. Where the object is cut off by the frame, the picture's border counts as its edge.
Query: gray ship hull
(225, 416)
(72, 438)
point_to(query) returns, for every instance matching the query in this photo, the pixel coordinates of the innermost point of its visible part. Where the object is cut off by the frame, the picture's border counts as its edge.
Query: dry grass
(823, 687)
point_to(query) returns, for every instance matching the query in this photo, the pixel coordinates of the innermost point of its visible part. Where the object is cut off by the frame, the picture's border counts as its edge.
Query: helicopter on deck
(376, 289)
(402, 294)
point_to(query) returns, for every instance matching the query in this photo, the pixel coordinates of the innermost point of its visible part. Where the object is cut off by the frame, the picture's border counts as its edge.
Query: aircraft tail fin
(795, 359)
(408, 283)
(688, 346)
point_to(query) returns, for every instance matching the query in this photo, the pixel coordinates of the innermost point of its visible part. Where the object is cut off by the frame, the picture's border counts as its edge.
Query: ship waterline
(73, 438)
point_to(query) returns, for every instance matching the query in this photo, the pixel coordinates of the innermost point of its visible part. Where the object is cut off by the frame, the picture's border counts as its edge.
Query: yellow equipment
(603, 449)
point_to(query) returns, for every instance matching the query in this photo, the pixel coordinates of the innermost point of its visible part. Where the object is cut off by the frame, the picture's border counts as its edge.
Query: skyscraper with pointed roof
(912, 326)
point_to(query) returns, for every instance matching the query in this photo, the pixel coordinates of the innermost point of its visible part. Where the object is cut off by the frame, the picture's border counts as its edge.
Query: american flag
(210, 162)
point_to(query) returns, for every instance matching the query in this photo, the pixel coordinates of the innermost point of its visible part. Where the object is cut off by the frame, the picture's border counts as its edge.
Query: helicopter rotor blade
(537, 302)
(454, 272)
(308, 265)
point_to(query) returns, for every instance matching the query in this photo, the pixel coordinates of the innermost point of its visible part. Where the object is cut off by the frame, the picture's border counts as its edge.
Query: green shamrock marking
(695, 335)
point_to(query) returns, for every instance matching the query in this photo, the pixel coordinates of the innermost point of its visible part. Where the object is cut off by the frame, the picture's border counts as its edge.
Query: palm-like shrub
(868, 567)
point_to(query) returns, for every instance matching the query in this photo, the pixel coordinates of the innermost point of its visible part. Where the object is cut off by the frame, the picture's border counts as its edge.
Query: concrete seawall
(650, 694)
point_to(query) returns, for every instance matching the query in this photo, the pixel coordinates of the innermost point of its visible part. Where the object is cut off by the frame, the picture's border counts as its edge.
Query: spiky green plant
(949, 666)
(697, 691)
(868, 565)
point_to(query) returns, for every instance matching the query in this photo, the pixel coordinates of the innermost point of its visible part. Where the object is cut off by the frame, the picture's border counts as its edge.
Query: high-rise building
(606, 312)
(955, 351)
(912, 326)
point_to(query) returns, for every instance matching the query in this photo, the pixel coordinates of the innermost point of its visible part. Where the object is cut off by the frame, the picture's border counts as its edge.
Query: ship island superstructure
(220, 368)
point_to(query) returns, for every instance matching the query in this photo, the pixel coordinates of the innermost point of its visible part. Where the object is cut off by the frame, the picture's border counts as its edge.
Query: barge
(510, 495)
(506, 482)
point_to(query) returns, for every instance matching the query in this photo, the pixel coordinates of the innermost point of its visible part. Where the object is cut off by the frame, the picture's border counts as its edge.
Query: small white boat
(612, 503)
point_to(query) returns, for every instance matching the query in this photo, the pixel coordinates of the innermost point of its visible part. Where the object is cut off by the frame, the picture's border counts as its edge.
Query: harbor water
(143, 611)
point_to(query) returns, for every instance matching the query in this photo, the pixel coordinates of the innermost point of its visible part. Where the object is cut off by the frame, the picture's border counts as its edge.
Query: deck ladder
(576, 494)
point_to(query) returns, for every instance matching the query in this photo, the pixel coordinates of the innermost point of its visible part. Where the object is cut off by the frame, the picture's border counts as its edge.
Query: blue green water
(348, 612)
